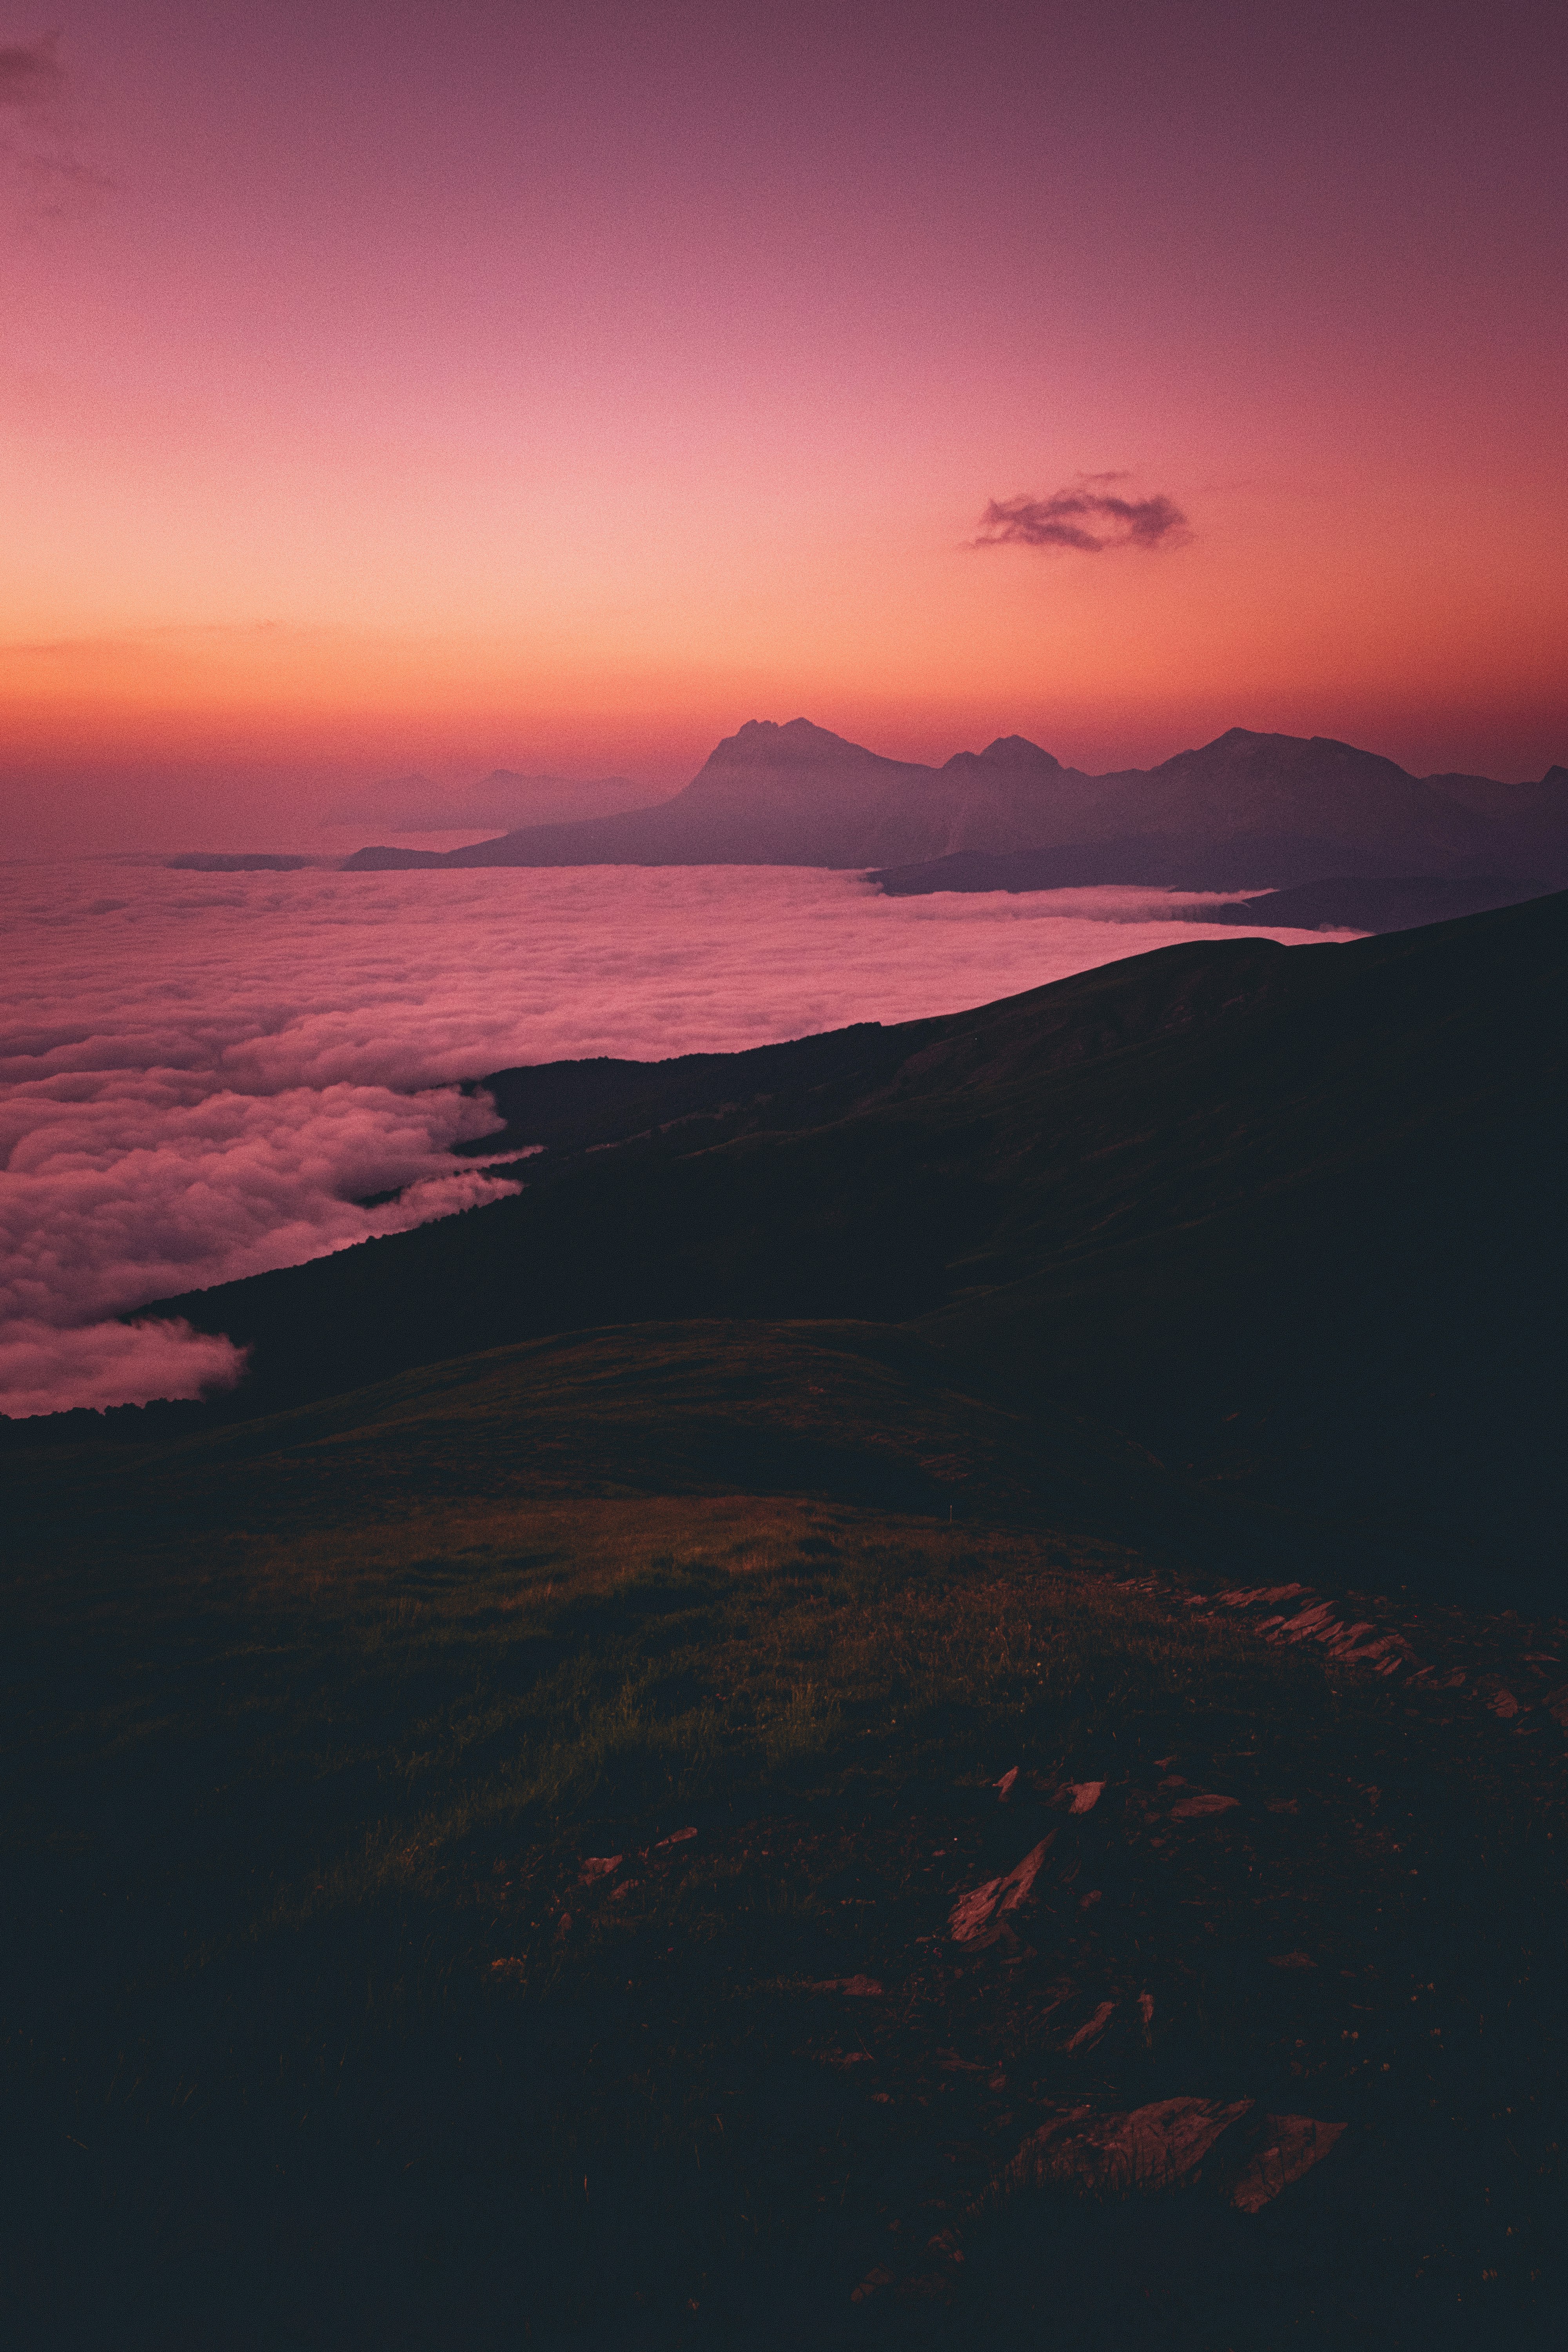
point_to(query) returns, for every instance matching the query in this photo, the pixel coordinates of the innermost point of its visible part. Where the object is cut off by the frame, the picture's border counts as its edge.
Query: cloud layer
(1086, 516)
(199, 1076)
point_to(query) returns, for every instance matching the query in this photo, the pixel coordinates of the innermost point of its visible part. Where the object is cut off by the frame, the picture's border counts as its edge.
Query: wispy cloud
(30, 72)
(51, 180)
(1087, 517)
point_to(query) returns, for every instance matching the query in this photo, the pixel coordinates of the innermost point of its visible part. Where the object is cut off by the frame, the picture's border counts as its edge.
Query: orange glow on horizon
(562, 394)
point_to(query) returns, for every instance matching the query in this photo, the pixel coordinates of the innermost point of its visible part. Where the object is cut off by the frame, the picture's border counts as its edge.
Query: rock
(970, 1913)
(676, 1837)
(1304, 1625)
(1150, 2148)
(1290, 2146)
(860, 1986)
(1197, 1809)
(1004, 1785)
(1084, 1795)
(1089, 2033)
(598, 1866)
(978, 1918)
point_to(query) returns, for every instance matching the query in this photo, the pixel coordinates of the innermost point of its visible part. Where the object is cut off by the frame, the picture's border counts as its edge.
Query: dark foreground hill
(1288, 1219)
(1242, 812)
(728, 1832)
(575, 1847)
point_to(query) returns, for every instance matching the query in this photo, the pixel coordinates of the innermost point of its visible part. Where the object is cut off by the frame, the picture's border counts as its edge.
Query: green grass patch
(317, 2030)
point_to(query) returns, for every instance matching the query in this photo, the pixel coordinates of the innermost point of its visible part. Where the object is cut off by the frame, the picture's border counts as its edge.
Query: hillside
(498, 1850)
(1286, 1218)
(980, 1758)
(1401, 903)
(1245, 809)
(720, 1833)
(1344, 902)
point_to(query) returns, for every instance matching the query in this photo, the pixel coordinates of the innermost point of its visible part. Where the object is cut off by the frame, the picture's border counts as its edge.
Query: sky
(388, 388)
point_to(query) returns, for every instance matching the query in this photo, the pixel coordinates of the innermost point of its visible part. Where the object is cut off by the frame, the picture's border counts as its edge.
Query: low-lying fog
(199, 1076)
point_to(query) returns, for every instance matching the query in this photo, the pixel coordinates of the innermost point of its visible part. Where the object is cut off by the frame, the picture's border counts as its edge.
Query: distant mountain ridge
(1352, 905)
(1247, 809)
(504, 798)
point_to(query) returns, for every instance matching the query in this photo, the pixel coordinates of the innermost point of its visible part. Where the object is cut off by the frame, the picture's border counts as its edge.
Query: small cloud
(1087, 517)
(30, 72)
(62, 187)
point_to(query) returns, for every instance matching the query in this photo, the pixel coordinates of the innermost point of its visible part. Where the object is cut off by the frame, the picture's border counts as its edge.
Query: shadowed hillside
(1337, 903)
(1286, 1218)
(578, 1845)
(970, 1818)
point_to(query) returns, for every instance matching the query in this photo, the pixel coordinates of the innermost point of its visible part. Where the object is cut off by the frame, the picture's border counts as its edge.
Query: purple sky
(559, 388)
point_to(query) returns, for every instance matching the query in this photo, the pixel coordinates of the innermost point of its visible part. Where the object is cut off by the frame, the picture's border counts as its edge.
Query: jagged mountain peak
(765, 743)
(1010, 759)
(1017, 751)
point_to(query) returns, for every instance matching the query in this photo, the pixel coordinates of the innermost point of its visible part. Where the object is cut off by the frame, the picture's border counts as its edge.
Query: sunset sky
(560, 387)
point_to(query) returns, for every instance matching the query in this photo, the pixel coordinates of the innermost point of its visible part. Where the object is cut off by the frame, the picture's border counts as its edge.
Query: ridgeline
(1285, 1219)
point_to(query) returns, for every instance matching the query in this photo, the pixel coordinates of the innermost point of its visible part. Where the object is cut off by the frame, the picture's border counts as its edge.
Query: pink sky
(560, 388)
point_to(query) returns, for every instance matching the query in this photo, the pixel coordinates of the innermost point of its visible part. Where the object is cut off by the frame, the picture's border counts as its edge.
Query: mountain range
(1245, 810)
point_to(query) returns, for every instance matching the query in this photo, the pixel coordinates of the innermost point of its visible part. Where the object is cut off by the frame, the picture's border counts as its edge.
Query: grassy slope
(1288, 1218)
(310, 1724)
(312, 1719)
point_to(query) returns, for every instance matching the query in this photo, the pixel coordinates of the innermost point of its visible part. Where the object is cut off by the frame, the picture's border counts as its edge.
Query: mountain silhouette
(1245, 810)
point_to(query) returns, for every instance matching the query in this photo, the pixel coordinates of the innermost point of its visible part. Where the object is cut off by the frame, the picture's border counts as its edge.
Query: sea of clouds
(201, 1076)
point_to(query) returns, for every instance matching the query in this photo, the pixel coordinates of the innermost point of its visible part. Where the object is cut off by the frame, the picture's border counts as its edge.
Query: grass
(479, 1846)
(316, 2034)
(1286, 1219)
